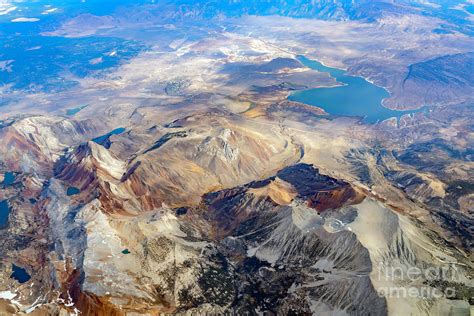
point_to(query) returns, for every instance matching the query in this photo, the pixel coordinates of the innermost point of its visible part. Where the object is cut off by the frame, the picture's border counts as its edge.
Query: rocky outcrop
(34, 143)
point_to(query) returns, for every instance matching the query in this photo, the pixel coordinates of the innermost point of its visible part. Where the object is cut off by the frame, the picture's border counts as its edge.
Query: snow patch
(8, 295)
(25, 20)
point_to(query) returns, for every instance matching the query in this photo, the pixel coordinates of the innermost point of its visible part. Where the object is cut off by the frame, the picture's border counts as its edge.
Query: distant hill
(445, 80)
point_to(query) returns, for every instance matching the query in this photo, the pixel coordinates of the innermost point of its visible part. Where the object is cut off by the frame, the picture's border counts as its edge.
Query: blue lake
(104, 139)
(356, 97)
(71, 112)
(9, 178)
(19, 274)
(4, 212)
(72, 191)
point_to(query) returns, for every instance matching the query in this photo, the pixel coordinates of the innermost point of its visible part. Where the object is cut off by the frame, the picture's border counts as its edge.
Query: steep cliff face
(34, 143)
